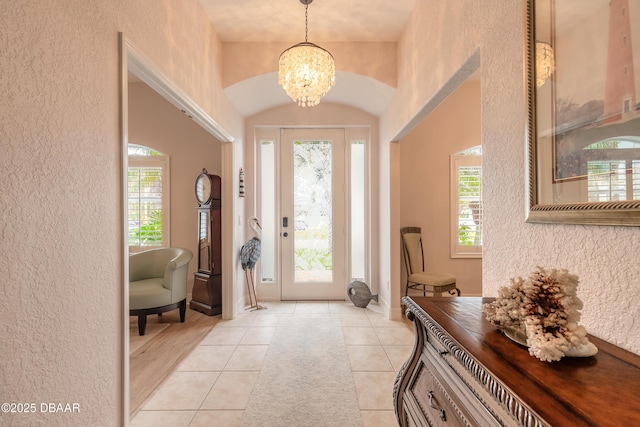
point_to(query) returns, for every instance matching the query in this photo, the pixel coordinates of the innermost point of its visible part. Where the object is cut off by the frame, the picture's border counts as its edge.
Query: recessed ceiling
(283, 21)
(329, 20)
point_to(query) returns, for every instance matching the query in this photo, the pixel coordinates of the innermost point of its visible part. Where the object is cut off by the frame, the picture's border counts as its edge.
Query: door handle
(285, 221)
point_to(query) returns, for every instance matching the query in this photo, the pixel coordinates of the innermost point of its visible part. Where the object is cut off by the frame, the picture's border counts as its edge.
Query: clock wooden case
(207, 281)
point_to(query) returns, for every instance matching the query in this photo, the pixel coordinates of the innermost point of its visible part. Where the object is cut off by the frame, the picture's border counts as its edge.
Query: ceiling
(329, 20)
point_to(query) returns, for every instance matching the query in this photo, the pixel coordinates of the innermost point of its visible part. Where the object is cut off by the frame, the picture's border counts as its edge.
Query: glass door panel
(312, 211)
(313, 214)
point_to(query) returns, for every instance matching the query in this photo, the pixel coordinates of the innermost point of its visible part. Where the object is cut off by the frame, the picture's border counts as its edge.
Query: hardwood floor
(156, 359)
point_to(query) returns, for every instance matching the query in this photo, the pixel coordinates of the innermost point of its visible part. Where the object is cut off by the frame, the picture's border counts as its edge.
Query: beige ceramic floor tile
(231, 391)
(258, 335)
(354, 319)
(268, 319)
(312, 307)
(398, 354)
(207, 358)
(242, 344)
(247, 358)
(360, 336)
(162, 418)
(381, 320)
(217, 419)
(336, 307)
(394, 336)
(243, 319)
(378, 419)
(368, 358)
(314, 315)
(182, 390)
(374, 389)
(224, 335)
(278, 307)
(374, 308)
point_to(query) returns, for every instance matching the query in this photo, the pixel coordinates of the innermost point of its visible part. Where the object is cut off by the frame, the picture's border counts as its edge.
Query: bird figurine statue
(249, 254)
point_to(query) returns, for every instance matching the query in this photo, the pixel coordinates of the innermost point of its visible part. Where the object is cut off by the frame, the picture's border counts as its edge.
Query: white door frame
(133, 61)
(270, 290)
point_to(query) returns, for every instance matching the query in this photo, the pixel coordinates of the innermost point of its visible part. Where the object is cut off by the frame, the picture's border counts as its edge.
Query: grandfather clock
(207, 282)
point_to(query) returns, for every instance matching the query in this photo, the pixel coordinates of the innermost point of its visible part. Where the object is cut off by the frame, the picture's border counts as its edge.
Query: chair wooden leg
(183, 310)
(142, 324)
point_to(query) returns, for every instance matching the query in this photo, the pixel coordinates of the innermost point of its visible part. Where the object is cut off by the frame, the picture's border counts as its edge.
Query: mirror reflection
(587, 115)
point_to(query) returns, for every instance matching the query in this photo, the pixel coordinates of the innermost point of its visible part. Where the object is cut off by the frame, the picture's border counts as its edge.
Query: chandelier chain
(306, 22)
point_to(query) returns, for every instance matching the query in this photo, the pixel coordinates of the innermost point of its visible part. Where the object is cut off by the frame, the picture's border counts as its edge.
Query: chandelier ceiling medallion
(306, 71)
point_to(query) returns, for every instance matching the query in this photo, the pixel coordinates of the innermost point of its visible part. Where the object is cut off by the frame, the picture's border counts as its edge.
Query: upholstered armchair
(158, 283)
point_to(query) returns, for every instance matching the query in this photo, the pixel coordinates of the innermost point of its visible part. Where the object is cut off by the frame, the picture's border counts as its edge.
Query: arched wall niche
(262, 93)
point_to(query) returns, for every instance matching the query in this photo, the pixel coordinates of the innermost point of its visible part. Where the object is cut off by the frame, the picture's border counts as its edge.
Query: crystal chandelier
(545, 62)
(306, 71)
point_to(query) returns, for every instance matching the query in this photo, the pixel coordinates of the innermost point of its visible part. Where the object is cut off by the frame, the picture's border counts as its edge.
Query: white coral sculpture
(545, 306)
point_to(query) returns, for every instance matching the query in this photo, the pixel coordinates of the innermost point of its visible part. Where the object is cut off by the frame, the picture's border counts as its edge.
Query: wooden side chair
(417, 278)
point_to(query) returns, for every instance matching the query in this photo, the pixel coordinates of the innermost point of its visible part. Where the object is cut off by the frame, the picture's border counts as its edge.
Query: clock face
(203, 188)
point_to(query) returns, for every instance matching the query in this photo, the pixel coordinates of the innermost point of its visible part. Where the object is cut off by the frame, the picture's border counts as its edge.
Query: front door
(312, 223)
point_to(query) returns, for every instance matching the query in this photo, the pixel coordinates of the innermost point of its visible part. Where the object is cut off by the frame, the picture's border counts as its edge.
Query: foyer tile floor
(213, 384)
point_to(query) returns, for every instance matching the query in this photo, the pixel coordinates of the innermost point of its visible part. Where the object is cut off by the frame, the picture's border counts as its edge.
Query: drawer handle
(443, 417)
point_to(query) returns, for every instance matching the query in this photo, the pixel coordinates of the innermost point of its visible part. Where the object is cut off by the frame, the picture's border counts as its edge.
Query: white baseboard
(392, 313)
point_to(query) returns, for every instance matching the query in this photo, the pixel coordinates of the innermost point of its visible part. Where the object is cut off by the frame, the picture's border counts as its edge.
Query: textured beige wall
(60, 201)
(440, 39)
(61, 269)
(424, 181)
(155, 123)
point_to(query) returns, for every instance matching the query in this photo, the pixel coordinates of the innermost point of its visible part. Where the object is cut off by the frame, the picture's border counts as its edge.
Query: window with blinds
(466, 204)
(147, 200)
(613, 169)
(610, 180)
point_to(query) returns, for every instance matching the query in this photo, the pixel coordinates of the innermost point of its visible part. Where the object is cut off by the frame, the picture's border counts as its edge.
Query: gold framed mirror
(582, 79)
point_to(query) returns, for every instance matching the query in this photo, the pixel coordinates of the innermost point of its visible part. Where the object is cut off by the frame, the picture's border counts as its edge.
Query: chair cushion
(432, 279)
(148, 293)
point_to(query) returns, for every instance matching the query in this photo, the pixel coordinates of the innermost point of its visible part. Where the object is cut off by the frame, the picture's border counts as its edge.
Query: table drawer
(433, 400)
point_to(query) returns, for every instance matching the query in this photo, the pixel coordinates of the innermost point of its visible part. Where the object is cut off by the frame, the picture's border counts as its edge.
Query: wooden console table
(463, 371)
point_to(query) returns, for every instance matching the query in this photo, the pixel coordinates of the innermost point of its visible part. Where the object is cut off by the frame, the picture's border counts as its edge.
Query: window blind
(145, 205)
